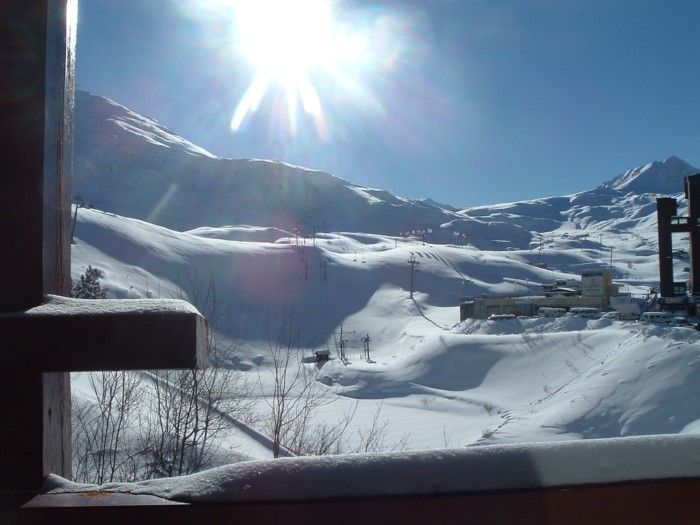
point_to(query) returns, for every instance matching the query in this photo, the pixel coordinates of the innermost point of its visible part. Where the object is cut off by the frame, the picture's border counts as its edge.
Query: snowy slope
(439, 382)
(656, 177)
(622, 204)
(132, 165)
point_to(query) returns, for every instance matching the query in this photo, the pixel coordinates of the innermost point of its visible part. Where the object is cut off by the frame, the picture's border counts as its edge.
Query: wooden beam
(127, 339)
(36, 107)
(637, 502)
(37, 43)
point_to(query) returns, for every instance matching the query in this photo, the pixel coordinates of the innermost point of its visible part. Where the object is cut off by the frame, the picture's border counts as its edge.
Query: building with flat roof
(596, 291)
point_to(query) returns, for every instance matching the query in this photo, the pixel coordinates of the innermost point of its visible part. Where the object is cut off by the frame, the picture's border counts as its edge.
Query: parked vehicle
(547, 311)
(612, 315)
(501, 317)
(681, 321)
(629, 316)
(586, 312)
(656, 317)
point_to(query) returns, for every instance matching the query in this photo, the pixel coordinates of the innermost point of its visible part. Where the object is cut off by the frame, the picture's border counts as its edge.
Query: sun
(286, 41)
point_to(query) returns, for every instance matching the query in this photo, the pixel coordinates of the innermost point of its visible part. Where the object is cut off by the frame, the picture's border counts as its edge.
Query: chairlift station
(669, 222)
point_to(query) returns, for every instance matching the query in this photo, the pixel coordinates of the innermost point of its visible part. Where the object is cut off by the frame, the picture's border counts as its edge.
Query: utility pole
(342, 344)
(366, 341)
(324, 266)
(611, 254)
(414, 268)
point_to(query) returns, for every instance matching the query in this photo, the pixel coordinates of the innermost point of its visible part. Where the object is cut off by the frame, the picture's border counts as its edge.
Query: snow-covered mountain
(621, 204)
(134, 166)
(440, 382)
(656, 177)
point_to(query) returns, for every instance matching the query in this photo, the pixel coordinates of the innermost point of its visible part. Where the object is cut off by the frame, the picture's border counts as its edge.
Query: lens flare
(318, 69)
(287, 42)
(284, 38)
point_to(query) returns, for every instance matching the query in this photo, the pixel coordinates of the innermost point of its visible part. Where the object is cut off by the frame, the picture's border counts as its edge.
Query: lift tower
(669, 222)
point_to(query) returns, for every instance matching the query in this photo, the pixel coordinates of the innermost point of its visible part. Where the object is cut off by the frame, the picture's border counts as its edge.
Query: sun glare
(283, 38)
(286, 42)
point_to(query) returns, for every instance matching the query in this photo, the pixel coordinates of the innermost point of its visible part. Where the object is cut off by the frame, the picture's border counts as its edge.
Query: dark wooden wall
(36, 83)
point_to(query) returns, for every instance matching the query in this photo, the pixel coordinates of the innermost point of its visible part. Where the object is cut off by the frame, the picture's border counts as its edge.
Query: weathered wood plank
(637, 502)
(22, 100)
(37, 43)
(123, 341)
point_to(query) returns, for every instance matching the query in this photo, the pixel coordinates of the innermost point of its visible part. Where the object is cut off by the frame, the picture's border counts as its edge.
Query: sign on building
(593, 283)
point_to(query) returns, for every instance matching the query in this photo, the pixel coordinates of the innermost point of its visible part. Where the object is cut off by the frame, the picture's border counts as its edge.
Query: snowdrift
(440, 382)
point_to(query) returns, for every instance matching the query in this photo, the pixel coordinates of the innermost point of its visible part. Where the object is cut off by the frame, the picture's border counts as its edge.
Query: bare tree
(186, 415)
(295, 392)
(310, 437)
(295, 399)
(103, 448)
(182, 414)
(190, 409)
(373, 439)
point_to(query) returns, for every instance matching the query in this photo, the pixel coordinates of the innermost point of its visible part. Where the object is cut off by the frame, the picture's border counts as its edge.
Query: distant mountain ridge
(624, 203)
(664, 176)
(134, 166)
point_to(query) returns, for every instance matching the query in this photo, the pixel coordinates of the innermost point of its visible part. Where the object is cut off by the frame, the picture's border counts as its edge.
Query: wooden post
(43, 336)
(37, 43)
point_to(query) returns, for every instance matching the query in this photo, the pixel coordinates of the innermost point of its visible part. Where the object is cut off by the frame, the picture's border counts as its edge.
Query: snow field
(439, 382)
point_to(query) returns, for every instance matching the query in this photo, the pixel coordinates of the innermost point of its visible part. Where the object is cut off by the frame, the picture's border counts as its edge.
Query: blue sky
(466, 102)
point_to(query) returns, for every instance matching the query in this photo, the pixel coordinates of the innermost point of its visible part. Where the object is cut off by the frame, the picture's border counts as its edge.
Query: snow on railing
(472, 469)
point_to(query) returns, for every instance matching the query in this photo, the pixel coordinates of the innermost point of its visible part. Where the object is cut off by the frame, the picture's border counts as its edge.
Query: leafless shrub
(103, 448)
(190, 409)
(295, 392)
(296, 397)
(374, 438)
(182, 412)
(187, 413)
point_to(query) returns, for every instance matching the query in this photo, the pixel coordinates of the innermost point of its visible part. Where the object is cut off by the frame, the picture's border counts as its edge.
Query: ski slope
(438, 382)
(287, 245)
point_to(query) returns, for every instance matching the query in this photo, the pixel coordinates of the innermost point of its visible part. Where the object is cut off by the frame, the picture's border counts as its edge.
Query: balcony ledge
(470, 470)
